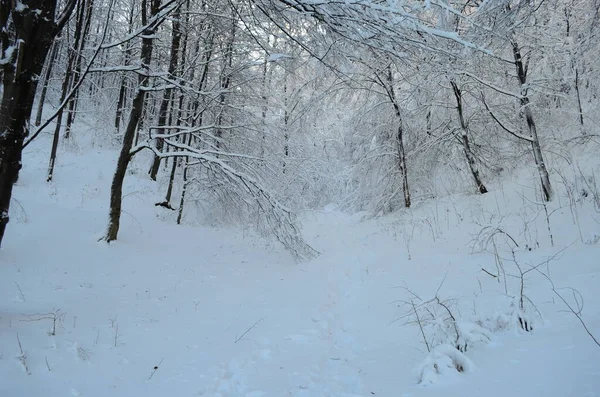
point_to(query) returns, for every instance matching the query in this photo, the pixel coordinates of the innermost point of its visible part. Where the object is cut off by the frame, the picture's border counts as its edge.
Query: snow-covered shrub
(440, 326)
(471, 334)
(511, 317)
(496, 322)
(442, 360)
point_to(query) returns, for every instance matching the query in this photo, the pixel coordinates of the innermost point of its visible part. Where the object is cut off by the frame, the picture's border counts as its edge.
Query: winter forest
(299, 198)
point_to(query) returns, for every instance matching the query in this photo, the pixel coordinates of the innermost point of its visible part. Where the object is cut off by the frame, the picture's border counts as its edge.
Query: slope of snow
(199, 311)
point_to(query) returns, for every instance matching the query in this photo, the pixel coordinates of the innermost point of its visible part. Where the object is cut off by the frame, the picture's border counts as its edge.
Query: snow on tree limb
(248, 191)
(386, 25)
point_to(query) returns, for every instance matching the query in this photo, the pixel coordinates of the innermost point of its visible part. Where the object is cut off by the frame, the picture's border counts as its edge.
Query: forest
(300, 129)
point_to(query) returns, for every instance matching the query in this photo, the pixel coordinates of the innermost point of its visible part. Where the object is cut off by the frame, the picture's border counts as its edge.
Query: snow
(20, 7)
(8, 55)
(201, 311)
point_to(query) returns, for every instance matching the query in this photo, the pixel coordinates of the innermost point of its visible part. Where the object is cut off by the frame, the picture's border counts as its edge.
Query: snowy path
(336, 373)
(322, 358)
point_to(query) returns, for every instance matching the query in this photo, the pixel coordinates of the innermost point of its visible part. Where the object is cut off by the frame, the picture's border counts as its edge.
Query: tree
(28, 30)
(72, 73)
(150, 22)
(465, 138)
(168, 93)
(526, 22)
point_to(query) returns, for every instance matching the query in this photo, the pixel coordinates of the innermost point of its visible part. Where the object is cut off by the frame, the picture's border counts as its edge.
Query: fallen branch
(156, 368)
(249, 329)
(493, 275)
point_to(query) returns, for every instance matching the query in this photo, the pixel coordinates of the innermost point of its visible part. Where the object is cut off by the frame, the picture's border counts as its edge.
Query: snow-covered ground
(173, 310)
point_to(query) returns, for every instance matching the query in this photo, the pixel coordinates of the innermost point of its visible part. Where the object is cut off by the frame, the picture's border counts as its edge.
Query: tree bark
(521, 68)
(465, 140)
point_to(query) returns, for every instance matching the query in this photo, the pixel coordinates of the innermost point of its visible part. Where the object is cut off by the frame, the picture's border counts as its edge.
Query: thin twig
(20, 291)
(442, 304)
(249, 329)
(19, 341)
(156, 368)
(420, 326)
(23, 357)
(576, 313)
(493, 275)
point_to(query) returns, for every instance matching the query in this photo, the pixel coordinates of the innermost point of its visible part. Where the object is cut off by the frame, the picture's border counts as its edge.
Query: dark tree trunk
(465, 139)
(27, 35)
(428, 122)
(68, 82)
(167, 94)
(402, 166)
(178, 120)
(123, 89)
(225, 79)
(579, 108)
(184, 187)
(46, 82)
(116, 190)
(120, 104)
(201, 85)
(79, 46)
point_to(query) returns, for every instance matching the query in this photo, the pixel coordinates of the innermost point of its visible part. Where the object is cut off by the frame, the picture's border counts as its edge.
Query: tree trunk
(47, 76)
(25, 46)
(402, 163)
(116, 189)
(428, 122)
(225, 80)
(579, 108)
(265, 105)
(207, 55)
(526, 107)
(185, 185)
(68, 82)
(167, 94)
(87, 10)
(178, 117)
(465, 140)
(389, 88)
(286, 120)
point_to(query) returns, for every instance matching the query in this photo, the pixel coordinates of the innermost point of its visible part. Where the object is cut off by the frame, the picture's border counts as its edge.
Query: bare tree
(168, 93)
(68, 81)
(28, 30)
(46, 82)
(150, 22)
